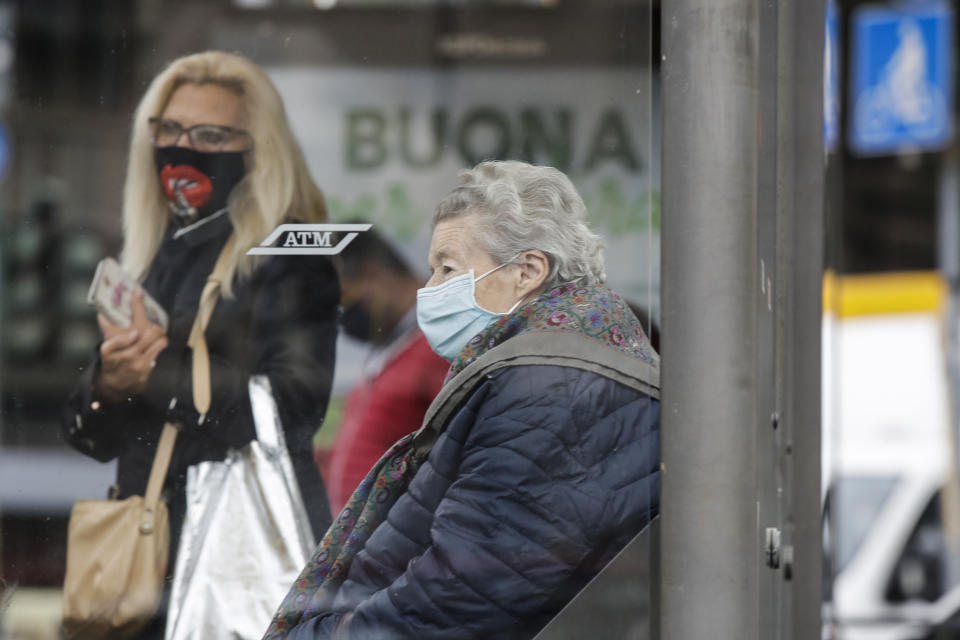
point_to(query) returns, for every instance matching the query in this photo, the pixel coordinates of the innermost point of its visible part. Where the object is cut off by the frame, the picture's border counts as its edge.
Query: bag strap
(158, 472)
(557, 348)
(201, 381)
(197, 341)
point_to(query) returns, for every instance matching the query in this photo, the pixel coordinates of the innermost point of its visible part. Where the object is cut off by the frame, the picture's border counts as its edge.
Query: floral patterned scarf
(593, 311)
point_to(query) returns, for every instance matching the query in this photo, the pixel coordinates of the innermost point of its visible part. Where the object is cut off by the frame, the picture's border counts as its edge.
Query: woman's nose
(183, 140)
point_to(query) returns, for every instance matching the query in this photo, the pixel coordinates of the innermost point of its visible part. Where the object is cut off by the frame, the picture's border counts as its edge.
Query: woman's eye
(210, 137)
(168, 130)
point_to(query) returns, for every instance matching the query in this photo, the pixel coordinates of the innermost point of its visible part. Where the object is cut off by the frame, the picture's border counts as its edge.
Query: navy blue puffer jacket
(537, 482)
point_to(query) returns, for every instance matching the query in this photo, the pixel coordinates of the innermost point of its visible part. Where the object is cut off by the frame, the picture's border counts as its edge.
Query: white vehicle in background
(890, 571)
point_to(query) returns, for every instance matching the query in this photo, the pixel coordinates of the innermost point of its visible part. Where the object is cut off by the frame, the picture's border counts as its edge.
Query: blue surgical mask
(448, 313)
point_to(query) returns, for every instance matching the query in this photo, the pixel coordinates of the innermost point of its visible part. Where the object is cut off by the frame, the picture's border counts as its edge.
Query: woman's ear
(534, 269)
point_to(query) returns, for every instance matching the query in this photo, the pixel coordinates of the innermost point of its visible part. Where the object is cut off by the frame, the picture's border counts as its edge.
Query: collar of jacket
(538, 347)
(216, 225)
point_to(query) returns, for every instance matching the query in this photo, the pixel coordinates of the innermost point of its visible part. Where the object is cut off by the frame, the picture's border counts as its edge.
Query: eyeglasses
(203, 137)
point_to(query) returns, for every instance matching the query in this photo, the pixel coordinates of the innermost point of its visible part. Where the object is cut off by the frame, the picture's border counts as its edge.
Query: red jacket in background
(380, 410)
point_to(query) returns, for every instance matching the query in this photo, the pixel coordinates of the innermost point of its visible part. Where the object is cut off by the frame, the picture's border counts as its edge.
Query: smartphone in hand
(111, 292)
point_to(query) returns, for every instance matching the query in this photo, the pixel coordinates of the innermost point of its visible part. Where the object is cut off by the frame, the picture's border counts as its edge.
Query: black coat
(281, 322)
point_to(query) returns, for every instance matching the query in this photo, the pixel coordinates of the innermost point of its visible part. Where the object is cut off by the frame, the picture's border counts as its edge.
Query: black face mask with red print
(198, 183)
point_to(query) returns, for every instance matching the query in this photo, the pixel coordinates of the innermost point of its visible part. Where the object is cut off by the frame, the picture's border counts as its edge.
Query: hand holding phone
(127, 359)
(133, 326)
(111, 292)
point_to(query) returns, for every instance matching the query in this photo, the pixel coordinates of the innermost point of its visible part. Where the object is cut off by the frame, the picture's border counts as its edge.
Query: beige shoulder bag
(117, 550)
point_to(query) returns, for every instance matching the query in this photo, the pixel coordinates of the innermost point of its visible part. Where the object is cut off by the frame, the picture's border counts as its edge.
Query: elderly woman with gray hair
(539, 459)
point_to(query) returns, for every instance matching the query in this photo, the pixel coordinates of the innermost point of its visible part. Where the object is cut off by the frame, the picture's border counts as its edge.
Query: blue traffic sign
(831, 78)
(901, 87)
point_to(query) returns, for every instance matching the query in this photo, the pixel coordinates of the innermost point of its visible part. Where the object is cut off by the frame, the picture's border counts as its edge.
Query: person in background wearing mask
(539, 459)
(401, 375)
(211, 158)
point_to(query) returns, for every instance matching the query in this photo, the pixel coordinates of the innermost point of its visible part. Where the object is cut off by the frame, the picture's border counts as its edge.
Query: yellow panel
(875, 293)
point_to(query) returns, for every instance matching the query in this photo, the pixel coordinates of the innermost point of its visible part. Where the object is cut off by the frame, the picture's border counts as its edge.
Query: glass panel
(387, 101)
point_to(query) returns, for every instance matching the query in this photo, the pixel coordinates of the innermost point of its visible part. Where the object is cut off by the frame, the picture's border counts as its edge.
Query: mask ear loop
(514, 307)
(510, 261)
(479, 278)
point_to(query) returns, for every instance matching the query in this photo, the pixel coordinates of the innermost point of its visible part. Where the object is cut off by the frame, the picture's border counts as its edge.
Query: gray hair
(520, 207)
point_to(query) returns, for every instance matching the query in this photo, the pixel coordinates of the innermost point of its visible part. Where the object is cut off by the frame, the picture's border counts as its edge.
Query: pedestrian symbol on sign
(902, 79)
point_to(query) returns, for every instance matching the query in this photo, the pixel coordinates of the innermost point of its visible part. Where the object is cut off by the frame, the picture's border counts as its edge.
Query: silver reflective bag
(245, 537)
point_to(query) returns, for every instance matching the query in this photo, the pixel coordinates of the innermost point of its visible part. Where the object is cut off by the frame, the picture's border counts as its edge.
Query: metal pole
(802, 265)
(741, 270)
(709, 550)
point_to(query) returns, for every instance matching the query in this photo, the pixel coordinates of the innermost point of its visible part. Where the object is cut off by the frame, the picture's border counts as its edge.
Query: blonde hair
(277, 187)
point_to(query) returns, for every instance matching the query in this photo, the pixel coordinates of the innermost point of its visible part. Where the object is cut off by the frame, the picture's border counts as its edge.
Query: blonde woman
(211, 155)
